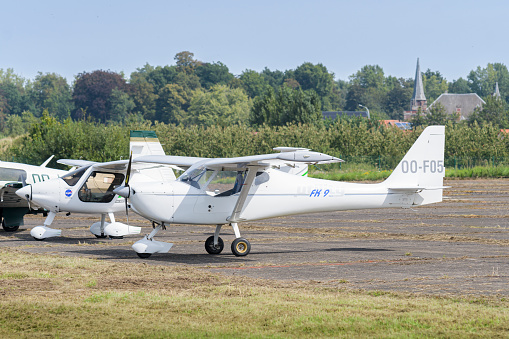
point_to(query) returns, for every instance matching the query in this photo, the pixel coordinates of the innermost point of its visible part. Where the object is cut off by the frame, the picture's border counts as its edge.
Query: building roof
(418, 94)
(464, 104)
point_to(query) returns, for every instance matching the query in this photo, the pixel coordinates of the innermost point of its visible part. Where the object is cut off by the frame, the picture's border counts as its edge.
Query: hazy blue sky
(69, 37)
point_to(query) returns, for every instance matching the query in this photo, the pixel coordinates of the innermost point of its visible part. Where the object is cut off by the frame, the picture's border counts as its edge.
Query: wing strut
(251, 175)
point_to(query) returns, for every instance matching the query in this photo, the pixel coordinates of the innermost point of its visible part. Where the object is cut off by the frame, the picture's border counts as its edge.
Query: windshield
(197, 177)
(99, 187)
(73, 177)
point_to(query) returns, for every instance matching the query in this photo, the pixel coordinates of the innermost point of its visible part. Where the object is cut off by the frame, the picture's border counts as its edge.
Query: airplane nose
(123, 191)
(24, 192)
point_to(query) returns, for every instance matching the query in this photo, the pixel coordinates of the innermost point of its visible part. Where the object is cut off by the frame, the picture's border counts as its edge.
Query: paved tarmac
(457, 247)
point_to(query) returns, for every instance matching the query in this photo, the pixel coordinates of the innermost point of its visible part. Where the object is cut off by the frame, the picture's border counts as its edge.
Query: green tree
(12, 91)
(253, 83)
(121, 106)
(398, 98)
(185, 62)
(172, 104)
(434, 85)
(213, 74)
(369, 76)
(493, 112)
(482, 81)
(437, 115)
(143, 96)
(368, 87)
(286, 106)
(274, 78)
(317, 78)
(459, 86)
(419, 119)
(52, 92)
(92, 94)
(221, 106)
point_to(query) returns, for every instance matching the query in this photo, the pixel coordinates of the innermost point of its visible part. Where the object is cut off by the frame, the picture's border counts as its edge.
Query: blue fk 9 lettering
(316, 193)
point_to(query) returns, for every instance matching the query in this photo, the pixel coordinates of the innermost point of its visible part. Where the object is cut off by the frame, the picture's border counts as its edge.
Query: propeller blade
(127, 176)
(128, 172)
(28, 197)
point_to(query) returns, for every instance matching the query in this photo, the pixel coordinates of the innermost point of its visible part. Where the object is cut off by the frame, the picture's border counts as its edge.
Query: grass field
(45, 295)
(372, 174)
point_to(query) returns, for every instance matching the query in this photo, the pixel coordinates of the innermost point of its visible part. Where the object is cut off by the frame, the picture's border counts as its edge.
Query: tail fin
(147, 143)
(422, 168)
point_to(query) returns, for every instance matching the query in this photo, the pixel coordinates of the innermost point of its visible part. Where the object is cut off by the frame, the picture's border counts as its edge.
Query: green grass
(149, 301)
(372, 174)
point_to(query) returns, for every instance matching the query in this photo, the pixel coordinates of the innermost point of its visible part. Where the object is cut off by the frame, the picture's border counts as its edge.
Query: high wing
(237, 163)
(170, 160)
(76, 162)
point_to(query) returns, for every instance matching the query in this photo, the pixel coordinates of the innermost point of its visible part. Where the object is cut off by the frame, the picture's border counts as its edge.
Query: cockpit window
(197, 178)
(12, 174)
(218, 183)
(99, 187)
(73, 177)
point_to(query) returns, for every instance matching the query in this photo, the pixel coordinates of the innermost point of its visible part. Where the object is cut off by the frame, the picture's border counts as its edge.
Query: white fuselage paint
(56, 195)
(283, 194)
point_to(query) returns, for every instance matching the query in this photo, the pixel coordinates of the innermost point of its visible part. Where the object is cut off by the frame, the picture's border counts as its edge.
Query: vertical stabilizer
(422, 168)
(147, 143)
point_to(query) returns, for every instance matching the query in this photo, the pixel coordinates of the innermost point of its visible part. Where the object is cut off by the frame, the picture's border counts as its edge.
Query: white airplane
(234, 190)
(260, 192)
(89, 189)
(14, 176)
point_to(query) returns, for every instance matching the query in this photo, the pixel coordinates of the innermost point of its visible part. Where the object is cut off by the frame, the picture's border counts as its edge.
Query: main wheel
(241, 247)
(100, 236)
(9, 228)
(144, 255)
(209, 245)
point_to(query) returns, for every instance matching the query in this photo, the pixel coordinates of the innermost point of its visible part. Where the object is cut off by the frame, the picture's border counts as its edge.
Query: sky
(70, 37)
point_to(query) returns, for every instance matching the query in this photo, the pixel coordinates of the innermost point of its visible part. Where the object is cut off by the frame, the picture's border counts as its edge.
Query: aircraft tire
(144, 255)
(210, 248)
(100, 236)
(241, 247)
(9, 229)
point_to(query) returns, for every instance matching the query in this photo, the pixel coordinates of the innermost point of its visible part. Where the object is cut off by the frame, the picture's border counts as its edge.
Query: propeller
(126, 184)
(28, 197)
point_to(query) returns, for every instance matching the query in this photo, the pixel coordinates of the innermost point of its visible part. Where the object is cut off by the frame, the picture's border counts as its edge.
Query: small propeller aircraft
(235, 190)
(89, 189)
(14, 176)
(260, 192)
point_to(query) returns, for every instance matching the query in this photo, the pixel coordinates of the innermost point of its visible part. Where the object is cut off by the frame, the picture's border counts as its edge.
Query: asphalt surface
(457, 247)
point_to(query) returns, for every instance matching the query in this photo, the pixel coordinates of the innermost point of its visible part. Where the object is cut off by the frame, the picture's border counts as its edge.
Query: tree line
(342, 138)
(196, 93)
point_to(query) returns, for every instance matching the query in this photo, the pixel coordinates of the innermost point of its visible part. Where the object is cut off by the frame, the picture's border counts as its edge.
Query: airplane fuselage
(278, 194)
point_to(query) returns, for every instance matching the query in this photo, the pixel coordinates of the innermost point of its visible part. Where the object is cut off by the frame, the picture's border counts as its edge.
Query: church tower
(418, 98)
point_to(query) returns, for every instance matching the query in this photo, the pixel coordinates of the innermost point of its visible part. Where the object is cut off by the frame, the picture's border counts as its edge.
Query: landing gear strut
(240, 246)
(214, 244)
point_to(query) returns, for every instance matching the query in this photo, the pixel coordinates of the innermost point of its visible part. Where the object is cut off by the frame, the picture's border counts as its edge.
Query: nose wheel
(211, 248)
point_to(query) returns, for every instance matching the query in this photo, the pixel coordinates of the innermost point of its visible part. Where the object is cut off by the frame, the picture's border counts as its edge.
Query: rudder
(422, 168)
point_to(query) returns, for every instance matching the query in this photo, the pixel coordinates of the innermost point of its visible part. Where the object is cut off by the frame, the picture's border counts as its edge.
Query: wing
(76, 162)
(170, 160)
(267, 160)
